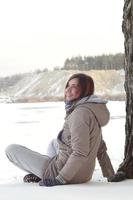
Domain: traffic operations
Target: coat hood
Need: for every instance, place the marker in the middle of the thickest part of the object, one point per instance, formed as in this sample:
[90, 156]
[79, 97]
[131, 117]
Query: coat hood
[97, 106]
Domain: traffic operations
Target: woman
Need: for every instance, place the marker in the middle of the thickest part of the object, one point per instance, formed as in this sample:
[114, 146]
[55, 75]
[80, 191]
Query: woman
[78, 141]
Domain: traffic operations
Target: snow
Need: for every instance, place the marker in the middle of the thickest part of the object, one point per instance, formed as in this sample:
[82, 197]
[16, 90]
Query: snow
[34, 125]
[31, 83]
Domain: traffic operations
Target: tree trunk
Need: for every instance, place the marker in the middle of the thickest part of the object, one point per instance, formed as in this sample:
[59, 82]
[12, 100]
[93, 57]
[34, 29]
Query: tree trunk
[127, 27]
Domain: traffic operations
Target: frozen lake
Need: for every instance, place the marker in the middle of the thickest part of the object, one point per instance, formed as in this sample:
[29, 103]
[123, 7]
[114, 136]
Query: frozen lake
[35, 124]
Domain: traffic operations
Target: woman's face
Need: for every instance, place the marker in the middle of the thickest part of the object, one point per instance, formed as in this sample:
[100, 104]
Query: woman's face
[73, 91]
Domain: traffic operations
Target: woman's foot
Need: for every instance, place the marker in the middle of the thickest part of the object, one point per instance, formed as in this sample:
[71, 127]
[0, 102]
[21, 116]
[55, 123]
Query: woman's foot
[31, 178]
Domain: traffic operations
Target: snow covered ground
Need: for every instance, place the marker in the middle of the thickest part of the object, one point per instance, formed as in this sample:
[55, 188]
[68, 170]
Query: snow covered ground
[34, 125]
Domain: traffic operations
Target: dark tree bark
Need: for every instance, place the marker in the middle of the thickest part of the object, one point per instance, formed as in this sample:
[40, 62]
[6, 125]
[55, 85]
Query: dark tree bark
[127, 27]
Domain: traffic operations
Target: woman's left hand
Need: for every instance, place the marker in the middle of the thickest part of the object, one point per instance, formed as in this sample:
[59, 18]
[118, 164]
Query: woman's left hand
[50, 182]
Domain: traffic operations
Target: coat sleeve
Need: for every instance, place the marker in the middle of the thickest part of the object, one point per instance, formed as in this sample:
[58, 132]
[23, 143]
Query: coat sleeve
[80, 125]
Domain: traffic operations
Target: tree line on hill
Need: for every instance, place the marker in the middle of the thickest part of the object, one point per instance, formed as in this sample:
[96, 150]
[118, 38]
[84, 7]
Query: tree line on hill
[103, 62]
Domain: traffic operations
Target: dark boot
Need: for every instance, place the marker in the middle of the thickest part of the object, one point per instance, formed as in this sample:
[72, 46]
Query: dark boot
[119, 176]
[31, 178]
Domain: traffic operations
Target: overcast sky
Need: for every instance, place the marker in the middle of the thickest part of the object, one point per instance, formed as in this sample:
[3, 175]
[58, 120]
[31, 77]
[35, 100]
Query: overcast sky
[43, 33]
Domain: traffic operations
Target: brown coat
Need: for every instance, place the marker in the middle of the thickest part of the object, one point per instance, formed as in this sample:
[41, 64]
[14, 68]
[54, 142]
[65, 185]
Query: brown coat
[79, 142]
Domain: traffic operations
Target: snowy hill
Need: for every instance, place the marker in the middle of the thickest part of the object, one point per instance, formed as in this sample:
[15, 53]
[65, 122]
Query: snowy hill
[49, 85]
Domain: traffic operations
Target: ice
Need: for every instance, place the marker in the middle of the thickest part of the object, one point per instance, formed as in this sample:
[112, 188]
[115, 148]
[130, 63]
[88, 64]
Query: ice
[34, 125]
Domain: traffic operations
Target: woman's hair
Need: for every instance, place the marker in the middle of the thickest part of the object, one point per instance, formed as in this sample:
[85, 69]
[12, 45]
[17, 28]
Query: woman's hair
[86, 84]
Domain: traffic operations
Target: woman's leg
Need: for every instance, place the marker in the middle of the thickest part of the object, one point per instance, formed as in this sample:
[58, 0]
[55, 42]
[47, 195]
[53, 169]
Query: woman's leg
[27, 160]
[53, 148]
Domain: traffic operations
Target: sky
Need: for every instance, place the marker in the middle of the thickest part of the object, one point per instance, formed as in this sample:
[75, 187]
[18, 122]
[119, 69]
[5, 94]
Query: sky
[39, 34]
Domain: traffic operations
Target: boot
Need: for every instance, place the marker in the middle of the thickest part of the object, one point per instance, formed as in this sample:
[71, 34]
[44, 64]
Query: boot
[119, 176]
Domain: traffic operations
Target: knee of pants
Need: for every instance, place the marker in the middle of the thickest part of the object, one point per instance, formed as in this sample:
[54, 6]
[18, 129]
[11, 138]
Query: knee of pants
[11, 149]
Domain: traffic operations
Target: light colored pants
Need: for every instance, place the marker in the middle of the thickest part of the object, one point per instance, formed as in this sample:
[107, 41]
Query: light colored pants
[36, 163]
[53, 148]
[27, 160]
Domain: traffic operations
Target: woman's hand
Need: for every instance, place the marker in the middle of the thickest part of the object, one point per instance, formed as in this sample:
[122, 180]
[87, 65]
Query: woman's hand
[52, 181]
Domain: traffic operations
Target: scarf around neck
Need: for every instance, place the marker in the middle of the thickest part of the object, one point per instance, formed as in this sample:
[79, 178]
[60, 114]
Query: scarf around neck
[70, 105]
